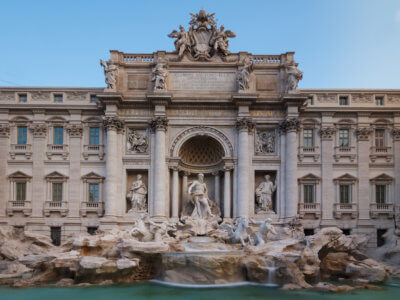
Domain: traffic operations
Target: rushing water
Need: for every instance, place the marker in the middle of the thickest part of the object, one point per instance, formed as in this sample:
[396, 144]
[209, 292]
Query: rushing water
[154, 290]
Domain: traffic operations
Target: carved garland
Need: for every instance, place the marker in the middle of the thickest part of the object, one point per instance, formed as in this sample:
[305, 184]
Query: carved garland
[201, 130]
[327, 133]
[4, 130]
[38, 130]
[363, 133]
[75, 130]
[113, 123]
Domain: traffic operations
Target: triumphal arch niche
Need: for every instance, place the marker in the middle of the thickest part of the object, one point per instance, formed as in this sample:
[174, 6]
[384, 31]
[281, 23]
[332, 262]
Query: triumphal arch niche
[201, 118]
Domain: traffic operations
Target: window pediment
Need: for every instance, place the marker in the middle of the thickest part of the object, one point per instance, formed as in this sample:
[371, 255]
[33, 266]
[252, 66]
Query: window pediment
[93, 176]
[346, 178]
[309, 178]
[383, 178]
[19, 175]
[56, 175]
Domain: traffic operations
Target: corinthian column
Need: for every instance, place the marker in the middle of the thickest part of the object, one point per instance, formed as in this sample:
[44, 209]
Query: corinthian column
[4, 140]
[112, 124]
[290, 126]
[159, 125]
[244, 125]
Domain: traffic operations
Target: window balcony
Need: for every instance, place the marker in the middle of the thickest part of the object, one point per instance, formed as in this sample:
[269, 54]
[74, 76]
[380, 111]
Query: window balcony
[93, 150]
[310, 209]
[92, 207]
[19, 206]
[55, 149]
[312, 151]
[345, 152]
[381, 209]
[381, 152]
[341, 209]
[55, 206]
[21, 149]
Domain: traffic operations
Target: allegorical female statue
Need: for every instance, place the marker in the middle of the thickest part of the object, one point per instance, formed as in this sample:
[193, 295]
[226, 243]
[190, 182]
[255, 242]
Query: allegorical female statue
[264, 194]
[137, 195]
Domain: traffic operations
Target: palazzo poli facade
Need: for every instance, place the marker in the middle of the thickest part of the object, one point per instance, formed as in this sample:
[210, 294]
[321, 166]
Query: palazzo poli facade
[70, 157]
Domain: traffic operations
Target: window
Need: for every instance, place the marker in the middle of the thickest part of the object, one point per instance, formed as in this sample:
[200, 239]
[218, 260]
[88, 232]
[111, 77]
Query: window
[345, 193]
[56, 235]
[22, 135]
[308, 138]
[343, 100]
[379, 101]
[344, 138]
[58, 135]
[94, 99]
[23, 98]
[308, 193]
[93, 192]
[58, 98]
[380, 193]
[380, 138]
[57, 193]
[94, 136]
[20, 194]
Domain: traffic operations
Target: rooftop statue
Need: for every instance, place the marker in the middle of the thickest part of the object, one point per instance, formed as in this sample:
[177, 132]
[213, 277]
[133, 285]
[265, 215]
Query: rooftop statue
[110, 73]
[203, 40]
[243, 74]
[294, 75]
[160, 74]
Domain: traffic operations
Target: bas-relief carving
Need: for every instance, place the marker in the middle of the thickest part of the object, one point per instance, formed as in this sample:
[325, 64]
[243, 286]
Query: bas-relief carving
[35, 96]
[204, 40]
[264, 195]
[361, 98]
[137, 195]
[137, 141]
[8, 96]
[328, 98]
[392, 99]
[76, 95]
[204, 81]
[110, 73]
[265, 142]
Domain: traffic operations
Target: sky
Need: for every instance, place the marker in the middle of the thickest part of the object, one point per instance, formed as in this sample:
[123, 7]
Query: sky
[338, 43]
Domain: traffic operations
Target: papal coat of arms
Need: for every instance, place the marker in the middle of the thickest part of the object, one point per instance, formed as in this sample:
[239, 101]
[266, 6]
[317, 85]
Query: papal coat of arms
[204, 40]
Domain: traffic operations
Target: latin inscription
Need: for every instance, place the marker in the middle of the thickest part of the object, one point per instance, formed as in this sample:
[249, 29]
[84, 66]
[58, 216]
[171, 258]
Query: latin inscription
[187, 81]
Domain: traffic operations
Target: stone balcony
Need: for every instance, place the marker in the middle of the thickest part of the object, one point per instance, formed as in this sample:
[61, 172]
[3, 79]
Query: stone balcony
[55, 149]
[92, 207]
[89, 150]
[381, 209]
[55, 206]
[19, 206]
[345, 152]
[310, 209]
[21, 149]
[312, 152]
[381, 152]
[341, 209]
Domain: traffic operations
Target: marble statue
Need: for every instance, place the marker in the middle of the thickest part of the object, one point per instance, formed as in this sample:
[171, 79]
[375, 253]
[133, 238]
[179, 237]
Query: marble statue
[264, 228]
[137, 195]
[182, 42]
[159, 76]
[220, 40]
[240, 234]
[294, 76]
[137, 142]
[264, 194]
[243, 74]
[199, 197]
[265, 142]
[145, 230]
[110, 73]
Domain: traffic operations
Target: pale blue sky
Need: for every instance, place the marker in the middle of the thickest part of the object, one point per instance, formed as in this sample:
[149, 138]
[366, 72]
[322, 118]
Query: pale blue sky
[338, 43]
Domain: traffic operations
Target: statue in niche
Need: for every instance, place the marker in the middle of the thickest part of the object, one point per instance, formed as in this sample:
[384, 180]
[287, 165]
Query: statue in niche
[182, 42]
[265, 142]
[110, 73]
[294, 76]
[137, 195]
[160, 74]
[137, 142]
[220, 40]
[264, 194]
[264, 228]
[199, 196]
[243, 74]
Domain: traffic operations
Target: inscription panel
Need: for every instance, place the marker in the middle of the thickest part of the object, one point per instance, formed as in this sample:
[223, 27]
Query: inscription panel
[138, 82]
[190, 81]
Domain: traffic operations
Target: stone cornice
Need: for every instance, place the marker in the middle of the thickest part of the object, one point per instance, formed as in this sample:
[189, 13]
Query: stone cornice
[159, 98]
[244, 99]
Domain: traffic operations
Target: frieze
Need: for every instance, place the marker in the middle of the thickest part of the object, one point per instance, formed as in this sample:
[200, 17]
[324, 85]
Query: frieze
[36, 96]
[267, 113]
[74, 130]
[392, 99]
[4, 130]
[362, 98]
[327, 98]
[8, 96]
[76, 95]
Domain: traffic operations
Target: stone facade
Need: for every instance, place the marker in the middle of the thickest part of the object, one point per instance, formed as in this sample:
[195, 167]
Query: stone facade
[69, 155]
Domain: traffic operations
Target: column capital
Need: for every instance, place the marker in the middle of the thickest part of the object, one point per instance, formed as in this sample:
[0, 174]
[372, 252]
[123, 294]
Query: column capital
[363, 133]
[4, 130]
[75, 130]
[38, 129]
[244, 123]
[327, 132]
[289, 125]
[159, 123]
[174, 168]
[113, 123]
[396, 134]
